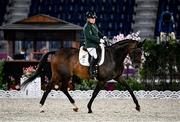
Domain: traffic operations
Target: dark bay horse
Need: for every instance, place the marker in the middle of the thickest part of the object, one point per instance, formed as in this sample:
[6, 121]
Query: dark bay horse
[65, 64]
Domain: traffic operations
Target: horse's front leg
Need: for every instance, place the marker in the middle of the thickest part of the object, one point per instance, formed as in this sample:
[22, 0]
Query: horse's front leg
[95, 93]
[123, 83]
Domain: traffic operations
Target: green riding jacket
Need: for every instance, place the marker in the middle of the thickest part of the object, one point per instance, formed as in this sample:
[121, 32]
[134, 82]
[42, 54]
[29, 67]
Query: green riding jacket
[92, 35]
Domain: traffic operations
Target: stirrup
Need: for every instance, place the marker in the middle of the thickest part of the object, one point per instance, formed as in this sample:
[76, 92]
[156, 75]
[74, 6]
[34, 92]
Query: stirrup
[93, 74]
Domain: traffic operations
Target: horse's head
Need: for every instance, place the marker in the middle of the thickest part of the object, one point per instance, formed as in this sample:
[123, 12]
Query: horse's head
[135, 53]
[133, 48]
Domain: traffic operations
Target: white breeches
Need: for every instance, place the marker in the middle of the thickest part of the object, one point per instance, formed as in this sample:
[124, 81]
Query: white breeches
[92, 52]
[168, 37]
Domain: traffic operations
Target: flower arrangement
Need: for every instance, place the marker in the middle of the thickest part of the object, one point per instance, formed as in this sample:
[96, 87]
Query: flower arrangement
[120, 37]
[28, 71]
[14, 85]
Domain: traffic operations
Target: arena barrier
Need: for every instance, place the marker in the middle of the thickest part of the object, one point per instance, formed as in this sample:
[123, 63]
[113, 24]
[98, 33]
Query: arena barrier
[33, 90]
[78, 94]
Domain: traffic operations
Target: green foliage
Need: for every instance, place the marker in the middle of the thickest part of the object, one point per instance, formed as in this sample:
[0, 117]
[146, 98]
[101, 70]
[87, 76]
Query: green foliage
[162, 60]
[86, 85]
[133, 83]
[1, 74]
[161, 86]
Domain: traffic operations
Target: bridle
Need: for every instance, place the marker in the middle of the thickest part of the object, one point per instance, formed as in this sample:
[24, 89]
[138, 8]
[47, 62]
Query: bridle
[134, 54]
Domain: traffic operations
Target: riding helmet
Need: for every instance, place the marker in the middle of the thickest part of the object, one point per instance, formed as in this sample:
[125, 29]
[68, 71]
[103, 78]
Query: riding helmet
[91, 14]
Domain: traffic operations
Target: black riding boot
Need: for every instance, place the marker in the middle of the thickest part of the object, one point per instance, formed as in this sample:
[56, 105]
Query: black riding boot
[93, 67]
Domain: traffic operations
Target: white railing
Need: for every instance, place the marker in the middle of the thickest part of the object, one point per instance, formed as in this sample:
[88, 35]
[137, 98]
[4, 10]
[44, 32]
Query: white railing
[34, 91]
[77, 94]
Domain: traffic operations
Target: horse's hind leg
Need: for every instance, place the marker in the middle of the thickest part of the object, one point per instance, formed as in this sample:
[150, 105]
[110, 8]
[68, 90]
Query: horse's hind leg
[48, 90]
[64, 89]
[123, 82]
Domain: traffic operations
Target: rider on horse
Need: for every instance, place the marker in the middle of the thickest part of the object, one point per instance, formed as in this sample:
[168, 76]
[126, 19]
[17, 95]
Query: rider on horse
[93, 37]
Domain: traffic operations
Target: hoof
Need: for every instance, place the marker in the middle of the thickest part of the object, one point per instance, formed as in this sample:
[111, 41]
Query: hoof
[75, 109]
[42, 111]
[138, 108]
[89, 111]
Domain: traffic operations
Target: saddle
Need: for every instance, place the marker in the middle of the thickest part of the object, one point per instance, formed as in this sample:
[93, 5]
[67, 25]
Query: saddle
[84, 55]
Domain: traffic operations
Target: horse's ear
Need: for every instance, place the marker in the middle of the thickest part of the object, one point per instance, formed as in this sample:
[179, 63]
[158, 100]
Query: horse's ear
[141, 43]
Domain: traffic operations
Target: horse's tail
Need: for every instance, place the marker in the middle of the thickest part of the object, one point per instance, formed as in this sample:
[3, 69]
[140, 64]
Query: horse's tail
[39, 69]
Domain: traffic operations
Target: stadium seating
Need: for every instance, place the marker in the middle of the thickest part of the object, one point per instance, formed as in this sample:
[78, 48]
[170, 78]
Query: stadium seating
[114, 16]
[3, 4]
[174, 7]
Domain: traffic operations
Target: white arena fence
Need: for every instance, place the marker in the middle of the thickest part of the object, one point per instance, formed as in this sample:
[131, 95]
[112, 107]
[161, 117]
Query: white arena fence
[33, 90]
[78, 94]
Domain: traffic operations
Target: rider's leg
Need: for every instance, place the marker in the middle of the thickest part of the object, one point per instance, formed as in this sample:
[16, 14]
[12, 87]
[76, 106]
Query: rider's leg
[162, 37]
[172, 34]
[93, 62]
[93, 67]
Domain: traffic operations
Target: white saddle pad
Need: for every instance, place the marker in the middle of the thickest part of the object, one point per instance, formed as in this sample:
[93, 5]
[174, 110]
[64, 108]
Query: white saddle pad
[84, 56]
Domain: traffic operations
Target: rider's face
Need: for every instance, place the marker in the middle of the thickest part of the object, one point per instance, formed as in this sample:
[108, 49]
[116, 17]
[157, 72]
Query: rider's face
[92, 20]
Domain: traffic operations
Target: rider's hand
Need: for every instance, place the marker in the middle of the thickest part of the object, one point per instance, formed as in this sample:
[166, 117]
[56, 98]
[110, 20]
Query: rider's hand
[104, 37]
[102, 41]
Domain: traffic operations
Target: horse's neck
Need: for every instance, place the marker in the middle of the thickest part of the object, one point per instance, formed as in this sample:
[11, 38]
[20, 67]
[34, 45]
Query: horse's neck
[121, 44]
[121, 53]
[118, 54]
[121, 48]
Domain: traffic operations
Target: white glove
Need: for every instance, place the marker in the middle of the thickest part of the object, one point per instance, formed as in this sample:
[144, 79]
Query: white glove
[102, 41]
[104, 37]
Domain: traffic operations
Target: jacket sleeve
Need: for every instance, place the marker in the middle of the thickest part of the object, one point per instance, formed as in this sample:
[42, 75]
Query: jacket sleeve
[89, 36]
[100, 34]
[160, 23]
[173, 22]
